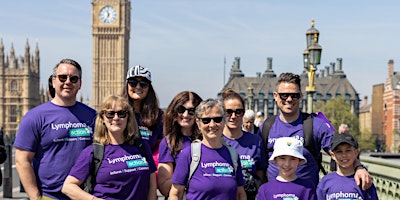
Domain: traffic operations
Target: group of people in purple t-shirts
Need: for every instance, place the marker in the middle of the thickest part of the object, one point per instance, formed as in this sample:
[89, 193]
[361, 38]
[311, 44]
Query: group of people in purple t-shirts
[195, 149]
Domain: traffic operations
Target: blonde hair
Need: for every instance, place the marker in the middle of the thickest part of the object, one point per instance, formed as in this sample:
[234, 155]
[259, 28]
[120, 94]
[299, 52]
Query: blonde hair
[101, 132]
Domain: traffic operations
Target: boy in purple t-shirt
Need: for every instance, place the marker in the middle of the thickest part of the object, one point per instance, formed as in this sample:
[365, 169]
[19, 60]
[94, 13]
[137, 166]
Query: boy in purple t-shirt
[287, 155]
[344, 152]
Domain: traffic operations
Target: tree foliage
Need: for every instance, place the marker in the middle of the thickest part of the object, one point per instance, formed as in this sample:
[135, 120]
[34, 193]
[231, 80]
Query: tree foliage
[338, 111]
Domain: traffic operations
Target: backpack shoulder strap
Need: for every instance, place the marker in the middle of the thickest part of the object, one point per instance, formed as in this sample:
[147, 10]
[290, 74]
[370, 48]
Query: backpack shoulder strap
[137, 142]
[309, 142]
[234, 157]
[98, 154]
[196, 155]
[265, 132]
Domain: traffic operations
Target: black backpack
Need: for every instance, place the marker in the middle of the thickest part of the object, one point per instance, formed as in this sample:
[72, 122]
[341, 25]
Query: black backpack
[309, 143]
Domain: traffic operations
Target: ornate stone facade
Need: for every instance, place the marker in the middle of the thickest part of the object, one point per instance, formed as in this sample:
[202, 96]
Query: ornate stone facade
[19, 82]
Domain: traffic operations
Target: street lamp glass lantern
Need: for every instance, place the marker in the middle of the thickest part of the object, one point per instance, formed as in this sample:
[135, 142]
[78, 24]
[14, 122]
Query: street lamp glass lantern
[315, 51]
[306, 60]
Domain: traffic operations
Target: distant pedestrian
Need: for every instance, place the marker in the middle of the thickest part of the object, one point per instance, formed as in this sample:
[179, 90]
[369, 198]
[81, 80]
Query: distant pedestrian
[259, 119]
[343, 128]
[248, 122]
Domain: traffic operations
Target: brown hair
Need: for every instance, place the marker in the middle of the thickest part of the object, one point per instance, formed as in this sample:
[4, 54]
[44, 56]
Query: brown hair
[289, 78]
[171, 128]
[149, 108]
[231, 94]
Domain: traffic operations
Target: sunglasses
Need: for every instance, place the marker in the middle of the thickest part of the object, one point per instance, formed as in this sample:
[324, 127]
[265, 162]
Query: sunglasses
[207, 120]
[111, 114]
[133, 83]
[237, 111]
[63, 78]
[182, 109]
[284, 96]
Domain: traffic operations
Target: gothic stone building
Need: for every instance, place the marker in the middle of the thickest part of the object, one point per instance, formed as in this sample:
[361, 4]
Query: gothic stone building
[19, 81]
[258, 91]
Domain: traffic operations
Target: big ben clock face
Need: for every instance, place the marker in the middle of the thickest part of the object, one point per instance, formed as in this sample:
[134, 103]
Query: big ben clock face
[108, 14]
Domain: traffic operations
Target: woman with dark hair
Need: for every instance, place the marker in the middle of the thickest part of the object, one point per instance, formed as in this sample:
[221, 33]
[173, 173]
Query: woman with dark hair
[249, 146]
[140, 93]
[180, 129]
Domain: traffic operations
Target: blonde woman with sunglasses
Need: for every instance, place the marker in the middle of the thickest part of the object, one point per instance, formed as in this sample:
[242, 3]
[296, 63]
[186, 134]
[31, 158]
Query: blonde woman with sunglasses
[127, 171]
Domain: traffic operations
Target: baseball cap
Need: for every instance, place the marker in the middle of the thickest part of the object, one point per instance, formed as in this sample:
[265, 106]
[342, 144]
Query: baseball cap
[138, 71]
[288, 146]
[259, 113]
[343, 138]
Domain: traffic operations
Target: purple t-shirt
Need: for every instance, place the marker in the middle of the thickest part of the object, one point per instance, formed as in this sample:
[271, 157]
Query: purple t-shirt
[322, 138]
[294, 190]
[250, 150]
[165, 150]
[56, 135]
[214, 177]
[150, 136]
[124, 172]
[334, 186]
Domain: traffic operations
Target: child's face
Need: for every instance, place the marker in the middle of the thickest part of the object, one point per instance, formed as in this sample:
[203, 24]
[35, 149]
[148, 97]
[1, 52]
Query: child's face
[344, 155]
[287, 165]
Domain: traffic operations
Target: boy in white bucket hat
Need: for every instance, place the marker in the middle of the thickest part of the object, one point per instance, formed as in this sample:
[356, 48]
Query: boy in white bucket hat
[287, 155]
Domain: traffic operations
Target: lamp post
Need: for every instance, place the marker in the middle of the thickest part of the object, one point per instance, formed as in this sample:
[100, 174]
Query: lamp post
[312, 58]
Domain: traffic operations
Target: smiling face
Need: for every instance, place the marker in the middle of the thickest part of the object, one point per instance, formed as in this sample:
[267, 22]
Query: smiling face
[234, 120]
[287, 166]
[138, 91]
[290, 105]
[66, 91]
[211, 130]
[115, 121]
[344, 155]
[187, 118]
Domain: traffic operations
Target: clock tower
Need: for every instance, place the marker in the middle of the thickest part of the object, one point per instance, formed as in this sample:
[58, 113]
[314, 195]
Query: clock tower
[111, 33]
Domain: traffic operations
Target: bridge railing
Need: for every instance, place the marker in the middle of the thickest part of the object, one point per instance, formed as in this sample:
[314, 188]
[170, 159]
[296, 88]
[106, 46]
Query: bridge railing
[385, 173]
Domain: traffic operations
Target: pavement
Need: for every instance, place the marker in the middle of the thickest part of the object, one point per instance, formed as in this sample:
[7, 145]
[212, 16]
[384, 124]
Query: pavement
[16, 194]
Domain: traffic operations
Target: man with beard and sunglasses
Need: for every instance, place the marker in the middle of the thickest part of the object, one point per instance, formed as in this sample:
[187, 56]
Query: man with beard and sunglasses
[289, 123]
[52, 135]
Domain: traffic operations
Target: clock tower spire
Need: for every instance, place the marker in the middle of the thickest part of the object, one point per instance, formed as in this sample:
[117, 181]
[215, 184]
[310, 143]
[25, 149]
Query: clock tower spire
[111, 34]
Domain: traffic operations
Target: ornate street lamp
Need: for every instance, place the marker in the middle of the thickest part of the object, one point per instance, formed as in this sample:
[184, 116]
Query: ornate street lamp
[311, 58]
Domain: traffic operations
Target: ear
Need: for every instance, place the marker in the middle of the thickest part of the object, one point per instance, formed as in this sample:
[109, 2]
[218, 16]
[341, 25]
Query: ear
[332, 155]
[276, 96]
[357, 152]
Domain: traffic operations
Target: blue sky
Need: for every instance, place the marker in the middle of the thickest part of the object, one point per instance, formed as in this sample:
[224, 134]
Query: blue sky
[184, 42]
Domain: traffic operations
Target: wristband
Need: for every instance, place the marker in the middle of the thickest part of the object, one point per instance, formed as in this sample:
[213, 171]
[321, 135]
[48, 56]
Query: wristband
[360, 165]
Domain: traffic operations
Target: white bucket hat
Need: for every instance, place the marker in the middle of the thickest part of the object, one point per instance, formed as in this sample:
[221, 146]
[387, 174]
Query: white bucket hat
[288, 146]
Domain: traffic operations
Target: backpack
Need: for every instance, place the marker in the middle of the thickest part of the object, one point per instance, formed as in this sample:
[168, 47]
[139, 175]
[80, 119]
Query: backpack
[309, 143]
[98, 155]
[196, 155]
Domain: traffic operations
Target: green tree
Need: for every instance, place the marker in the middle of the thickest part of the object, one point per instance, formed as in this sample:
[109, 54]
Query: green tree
[338, 111]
